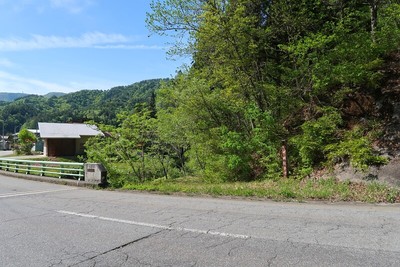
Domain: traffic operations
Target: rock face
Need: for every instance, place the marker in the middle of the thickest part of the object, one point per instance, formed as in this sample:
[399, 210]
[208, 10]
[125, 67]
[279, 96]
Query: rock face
[387, 109]
[389, 173]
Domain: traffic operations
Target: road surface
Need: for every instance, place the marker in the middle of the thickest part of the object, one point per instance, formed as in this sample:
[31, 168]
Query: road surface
[53, 225]
[6, 153]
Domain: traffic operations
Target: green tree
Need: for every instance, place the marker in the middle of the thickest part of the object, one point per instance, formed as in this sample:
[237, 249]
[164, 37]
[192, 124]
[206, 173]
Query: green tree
[26, 140]
[133, 152]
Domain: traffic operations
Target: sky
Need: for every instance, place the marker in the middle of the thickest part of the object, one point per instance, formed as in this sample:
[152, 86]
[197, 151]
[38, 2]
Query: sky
[70, 45]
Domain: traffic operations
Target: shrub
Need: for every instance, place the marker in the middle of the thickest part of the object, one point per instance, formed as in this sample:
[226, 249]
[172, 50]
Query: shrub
[356, 149]
[316, 134]
[26, 140]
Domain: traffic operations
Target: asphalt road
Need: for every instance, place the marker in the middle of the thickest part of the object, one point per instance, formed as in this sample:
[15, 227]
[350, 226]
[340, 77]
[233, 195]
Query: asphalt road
[53, 225]
[5, 153]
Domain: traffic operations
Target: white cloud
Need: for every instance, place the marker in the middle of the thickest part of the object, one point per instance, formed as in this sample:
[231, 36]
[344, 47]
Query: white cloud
[133, 47]
[96, 40]
[87, 40]
[72, 6]
[6, 63]
[17, 84]
[18, 6]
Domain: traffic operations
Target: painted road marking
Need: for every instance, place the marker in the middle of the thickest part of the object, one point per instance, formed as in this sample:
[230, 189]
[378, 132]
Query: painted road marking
[158, 226]
[33, 193]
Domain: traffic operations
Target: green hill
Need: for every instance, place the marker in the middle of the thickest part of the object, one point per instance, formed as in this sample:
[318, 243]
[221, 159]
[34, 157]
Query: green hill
[9, 97]
[56, 94]
[101, 106]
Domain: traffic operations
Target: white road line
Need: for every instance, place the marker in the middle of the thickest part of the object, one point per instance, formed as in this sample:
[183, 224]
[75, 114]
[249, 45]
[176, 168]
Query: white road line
[33, 193]
[158, 226]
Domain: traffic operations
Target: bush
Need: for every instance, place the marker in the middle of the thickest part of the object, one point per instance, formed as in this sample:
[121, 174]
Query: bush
[316, 134]
[354, 148]
[26, 140]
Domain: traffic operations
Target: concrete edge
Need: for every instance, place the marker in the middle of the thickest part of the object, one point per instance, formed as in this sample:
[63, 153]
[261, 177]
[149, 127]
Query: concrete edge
[45, 179]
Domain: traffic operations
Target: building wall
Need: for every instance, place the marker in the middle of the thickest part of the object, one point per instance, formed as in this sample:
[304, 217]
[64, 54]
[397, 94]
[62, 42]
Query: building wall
[45, 151]
[60, 147]
[54, 147]
[80, 145]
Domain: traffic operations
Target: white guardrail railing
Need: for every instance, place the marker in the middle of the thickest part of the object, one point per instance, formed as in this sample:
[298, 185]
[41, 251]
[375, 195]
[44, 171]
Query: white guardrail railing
[44, 168]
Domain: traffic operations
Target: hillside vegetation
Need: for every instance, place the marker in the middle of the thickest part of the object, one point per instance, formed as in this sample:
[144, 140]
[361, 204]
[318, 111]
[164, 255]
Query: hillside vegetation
[276, 89]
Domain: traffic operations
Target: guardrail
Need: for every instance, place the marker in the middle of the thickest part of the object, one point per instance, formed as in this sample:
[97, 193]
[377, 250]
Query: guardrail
[44, 168]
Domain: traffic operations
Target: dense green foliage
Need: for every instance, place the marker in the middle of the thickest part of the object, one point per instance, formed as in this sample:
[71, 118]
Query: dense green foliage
[95, 105]
[272, 73]
[135, 151]
[26, 140]
[266, 75]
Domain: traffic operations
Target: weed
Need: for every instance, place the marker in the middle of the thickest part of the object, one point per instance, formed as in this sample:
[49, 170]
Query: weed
[324, 189]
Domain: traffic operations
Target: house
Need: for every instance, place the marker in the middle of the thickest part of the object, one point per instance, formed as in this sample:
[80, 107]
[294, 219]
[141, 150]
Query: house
[66, 139]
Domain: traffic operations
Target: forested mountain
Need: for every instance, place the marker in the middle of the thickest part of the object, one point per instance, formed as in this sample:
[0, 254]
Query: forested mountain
[8, 97]
[54, 94]
[96, 105]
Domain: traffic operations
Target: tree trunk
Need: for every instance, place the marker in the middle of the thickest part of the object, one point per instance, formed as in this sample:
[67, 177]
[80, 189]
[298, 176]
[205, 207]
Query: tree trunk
[373, 5]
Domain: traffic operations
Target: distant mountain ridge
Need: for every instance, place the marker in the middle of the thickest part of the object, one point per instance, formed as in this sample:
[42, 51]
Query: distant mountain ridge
[56, 94]
[9, 97]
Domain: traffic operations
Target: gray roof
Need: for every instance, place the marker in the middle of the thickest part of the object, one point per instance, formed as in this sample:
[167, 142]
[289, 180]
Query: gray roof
[67, 130]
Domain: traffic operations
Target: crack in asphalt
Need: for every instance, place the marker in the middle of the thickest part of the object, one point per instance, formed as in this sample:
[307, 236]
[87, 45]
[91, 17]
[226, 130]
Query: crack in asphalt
[224, 242]
[239, 246]
[271, 260]
[119, 247]
[68, 256]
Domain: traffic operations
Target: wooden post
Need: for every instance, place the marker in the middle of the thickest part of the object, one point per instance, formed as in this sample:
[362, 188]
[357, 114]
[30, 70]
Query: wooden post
[284, 160]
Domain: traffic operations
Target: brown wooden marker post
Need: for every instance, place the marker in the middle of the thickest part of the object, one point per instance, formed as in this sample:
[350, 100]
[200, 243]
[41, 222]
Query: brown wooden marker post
[284, 160]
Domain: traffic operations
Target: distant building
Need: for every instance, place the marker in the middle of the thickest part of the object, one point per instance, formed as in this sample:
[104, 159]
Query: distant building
[34, 131]
[66, 139]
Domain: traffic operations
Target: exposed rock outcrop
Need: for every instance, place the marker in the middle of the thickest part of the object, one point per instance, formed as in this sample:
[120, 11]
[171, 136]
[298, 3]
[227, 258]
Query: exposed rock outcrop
[387, 108]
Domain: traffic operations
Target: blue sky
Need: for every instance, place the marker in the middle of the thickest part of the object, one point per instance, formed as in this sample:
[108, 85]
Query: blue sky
[70, 45]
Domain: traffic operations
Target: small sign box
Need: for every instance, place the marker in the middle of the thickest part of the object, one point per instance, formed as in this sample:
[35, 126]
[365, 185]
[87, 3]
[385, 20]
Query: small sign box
[95, 173]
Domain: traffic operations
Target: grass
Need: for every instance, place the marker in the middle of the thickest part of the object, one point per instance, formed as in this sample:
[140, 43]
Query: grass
[284, 189]
[56, 159]
[281, 189]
